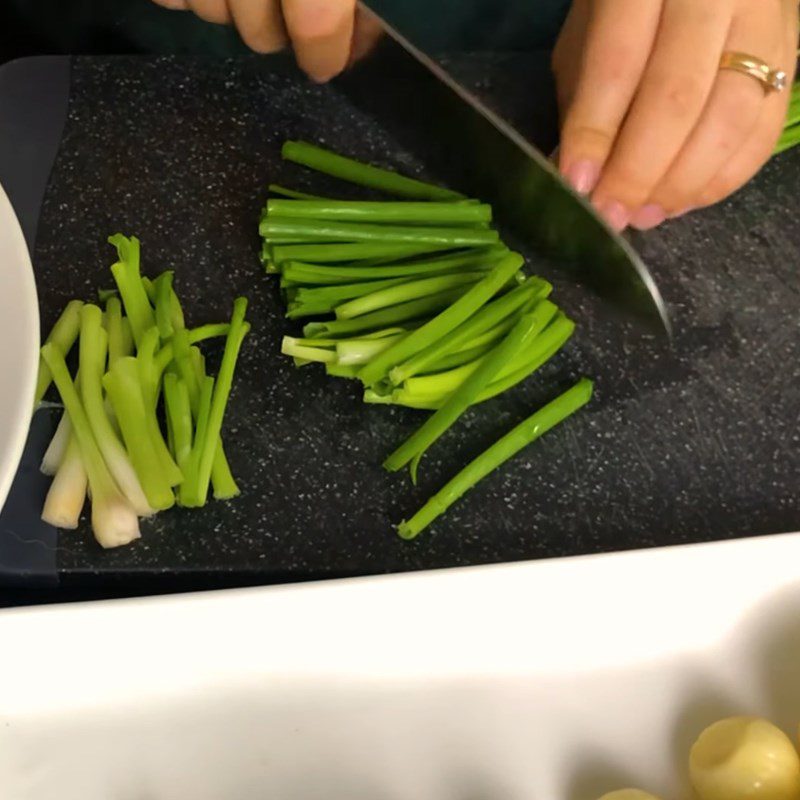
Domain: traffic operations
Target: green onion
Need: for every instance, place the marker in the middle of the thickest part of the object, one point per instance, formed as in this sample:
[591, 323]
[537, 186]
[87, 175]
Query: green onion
[443, 214]
[114, 521]
[501, 451]
[132, 290]
[179, 414]
[67, 493]
[222, 389]
[516, 341]
[443, 323]
[116, 336]
[412, 310]
[349, 252]
[164, 306]
[404, 292]
[308, 155]
[93, 343]
[481, 258]
[293, 194]
[385, 234]
[122, 383]
[62, 337]
[480, 322]
[359, 351]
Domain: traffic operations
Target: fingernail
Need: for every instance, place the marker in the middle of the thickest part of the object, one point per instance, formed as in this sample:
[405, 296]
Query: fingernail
[582, 175]
[615, 214]
[647, 217]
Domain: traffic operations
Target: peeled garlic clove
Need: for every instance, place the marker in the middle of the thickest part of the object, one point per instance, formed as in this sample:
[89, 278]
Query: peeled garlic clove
[744, 758]
[629, 794]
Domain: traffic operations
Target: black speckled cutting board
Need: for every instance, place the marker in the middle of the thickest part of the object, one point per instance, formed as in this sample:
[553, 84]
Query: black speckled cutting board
[683, 445]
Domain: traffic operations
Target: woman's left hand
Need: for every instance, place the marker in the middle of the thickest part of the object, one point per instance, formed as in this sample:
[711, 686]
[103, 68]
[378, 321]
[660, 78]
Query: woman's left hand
[651, 126]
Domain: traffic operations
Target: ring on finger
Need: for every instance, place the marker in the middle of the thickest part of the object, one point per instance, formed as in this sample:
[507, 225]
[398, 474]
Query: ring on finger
[771, 80]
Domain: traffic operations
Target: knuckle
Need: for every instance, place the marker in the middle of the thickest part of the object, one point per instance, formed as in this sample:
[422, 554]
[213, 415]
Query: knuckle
[586, 138]
[683, 96]
[614, 65]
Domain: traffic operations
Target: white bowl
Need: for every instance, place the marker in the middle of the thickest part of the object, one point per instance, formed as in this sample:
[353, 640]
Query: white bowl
[19, 343]
[559, 679]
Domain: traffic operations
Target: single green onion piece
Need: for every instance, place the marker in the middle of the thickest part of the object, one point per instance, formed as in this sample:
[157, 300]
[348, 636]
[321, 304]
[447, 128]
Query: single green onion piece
[114, 521]
[116, 336]
[348, 169]
[342, 371]
[188, 495]
[291, 347]
[62, 337]
[425, 287]
[93, 349]
[520, 336]
[350, 352]
[128, 278]
[293, 194]
[164, 306]
[366, 232]
[347, 252]
[501, 451]
[222, 389]
[67, 493]
[401, 213]
[477, 296]
[405, 312]
[179, 414]
[127, 337]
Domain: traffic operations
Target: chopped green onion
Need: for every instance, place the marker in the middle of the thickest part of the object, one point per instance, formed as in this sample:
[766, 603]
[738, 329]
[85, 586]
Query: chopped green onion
[501, 451]
[62, 336]
[516, 341]
[93, 342]
[122, 383]
[477, 296]
[385, 234]
[403, 293]
[114, 521]
[128, 278]
[395, 213]
[321, 160]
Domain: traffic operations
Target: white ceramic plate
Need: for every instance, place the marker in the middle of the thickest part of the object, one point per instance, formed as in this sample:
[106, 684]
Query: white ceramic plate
[19, 343]
[556, 680]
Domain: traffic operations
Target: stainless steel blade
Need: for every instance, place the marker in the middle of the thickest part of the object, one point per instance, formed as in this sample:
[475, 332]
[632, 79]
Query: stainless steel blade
[478, 152]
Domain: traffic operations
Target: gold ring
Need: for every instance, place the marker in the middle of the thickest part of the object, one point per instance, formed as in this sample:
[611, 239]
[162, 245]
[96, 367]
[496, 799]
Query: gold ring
[771, 80]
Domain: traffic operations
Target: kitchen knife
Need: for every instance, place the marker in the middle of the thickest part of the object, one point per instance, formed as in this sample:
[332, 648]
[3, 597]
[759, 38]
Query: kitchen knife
[470, 146]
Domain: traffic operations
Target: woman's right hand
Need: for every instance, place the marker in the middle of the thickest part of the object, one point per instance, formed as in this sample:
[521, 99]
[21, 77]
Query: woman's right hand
[326, 35]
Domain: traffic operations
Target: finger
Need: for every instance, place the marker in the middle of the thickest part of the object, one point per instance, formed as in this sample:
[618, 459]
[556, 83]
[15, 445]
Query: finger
[321, 32]
[173, 5]
[215, 11]
[566, 59]
[760, 145]
[619, 37]
[367, 31]
[260, 24]
[731, 114]
[670, 99]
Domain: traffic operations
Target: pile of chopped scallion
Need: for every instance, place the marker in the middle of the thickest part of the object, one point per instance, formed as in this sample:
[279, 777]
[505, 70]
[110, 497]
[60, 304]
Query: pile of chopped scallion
[113, 442]
[420, 301]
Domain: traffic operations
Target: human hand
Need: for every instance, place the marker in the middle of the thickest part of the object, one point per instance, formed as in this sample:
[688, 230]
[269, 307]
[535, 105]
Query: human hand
[326, 34]
[650, 126]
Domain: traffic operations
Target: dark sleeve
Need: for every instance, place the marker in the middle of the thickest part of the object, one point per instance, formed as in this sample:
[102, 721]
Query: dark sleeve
[81, 26]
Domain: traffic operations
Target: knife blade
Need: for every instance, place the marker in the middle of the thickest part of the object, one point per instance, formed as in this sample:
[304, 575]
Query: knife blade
[473, 148]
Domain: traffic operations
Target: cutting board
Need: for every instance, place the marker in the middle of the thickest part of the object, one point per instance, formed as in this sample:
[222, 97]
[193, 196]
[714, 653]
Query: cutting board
[682, 444]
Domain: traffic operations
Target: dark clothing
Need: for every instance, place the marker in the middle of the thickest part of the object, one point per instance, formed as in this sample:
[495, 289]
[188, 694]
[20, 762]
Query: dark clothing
[140, 25]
